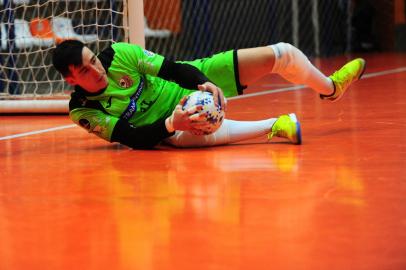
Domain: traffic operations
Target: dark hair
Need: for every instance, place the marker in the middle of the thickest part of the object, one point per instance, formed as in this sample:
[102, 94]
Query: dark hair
[68, 52]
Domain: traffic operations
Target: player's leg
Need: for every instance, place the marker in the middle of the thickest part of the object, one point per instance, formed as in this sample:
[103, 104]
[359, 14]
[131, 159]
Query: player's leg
[285, 126]
[289, 62]
[285, 60]
[221, 69]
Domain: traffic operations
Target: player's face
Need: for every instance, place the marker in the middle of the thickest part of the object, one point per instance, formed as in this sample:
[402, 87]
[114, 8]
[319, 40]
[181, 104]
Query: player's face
[91, 75]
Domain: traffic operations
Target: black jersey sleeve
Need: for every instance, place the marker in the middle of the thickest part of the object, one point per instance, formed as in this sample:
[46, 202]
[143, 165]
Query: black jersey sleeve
[90, 115]
[144, 137]
[187, 76]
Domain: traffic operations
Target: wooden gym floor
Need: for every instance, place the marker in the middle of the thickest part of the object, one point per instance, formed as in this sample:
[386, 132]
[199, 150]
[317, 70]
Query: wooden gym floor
[69, 200]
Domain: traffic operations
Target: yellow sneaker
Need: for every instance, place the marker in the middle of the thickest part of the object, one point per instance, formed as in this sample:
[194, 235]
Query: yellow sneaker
[287, 126]
[344, 77]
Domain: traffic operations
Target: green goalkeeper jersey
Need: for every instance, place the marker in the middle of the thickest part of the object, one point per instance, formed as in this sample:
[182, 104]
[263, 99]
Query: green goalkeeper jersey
[133, 89]
[135, 94]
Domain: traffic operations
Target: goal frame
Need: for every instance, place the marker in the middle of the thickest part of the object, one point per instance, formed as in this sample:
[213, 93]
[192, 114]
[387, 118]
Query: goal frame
[133, 20]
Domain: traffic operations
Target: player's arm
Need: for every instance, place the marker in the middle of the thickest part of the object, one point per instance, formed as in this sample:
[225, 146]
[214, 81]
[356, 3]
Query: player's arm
[144, 137]
[113, 129]
[150, 135]
[146, 62]
[188, 76]
[150, 63]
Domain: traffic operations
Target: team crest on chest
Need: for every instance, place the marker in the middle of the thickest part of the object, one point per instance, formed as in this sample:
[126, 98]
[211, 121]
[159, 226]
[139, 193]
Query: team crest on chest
[125, 82]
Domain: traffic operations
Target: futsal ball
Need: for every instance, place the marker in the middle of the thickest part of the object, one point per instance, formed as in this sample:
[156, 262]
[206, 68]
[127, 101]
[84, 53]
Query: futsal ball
[215, 114]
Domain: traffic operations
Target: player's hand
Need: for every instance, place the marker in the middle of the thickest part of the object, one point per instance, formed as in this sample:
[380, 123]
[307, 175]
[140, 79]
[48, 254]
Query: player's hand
[218, 95]
[190, 119]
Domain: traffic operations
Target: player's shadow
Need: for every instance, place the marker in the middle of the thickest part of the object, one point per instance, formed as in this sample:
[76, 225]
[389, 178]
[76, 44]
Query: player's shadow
[166, 147]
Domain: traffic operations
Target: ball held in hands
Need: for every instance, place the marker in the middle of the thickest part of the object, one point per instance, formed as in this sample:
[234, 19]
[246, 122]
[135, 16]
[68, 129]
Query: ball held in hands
[214, 114]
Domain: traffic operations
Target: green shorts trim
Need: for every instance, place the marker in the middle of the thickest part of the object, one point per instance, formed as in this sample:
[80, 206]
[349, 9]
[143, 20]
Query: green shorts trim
[222, 70]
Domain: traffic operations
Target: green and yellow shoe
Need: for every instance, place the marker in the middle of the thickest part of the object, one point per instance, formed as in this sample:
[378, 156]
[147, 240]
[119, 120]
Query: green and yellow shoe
[344, 77]
[287, 126]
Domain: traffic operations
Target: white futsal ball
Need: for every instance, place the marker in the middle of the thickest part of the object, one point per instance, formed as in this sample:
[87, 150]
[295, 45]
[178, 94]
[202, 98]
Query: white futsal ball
[215, 114]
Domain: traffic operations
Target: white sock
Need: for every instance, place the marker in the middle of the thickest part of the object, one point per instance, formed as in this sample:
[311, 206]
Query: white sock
[295, 67]
[230, 131]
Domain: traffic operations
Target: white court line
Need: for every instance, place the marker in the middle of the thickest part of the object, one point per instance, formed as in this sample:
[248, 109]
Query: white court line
[35, 132]
[284, 89]
[385, 72]
[279, 90]
[297, 87]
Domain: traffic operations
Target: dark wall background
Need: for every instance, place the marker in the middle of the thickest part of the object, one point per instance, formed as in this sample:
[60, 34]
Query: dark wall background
[253, 23]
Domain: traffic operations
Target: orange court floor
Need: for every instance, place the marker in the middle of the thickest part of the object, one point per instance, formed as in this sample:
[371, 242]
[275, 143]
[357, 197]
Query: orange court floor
[69, 200]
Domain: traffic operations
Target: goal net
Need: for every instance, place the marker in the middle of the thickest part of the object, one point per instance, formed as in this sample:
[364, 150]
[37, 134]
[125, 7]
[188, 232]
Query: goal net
[30, 29]
[178, 29]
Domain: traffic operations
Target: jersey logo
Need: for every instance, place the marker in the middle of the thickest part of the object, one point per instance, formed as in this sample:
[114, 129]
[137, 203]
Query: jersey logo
[145, 105]
[125, 82]
[132, 106]
[84, 123]
[149, 53]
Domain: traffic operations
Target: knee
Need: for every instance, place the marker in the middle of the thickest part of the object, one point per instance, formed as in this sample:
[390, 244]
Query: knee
[283, 49]
[283, 55]
[287, 53]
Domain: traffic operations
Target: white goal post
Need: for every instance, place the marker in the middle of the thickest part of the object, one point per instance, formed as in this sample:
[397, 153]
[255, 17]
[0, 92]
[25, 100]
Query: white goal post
[30, 29]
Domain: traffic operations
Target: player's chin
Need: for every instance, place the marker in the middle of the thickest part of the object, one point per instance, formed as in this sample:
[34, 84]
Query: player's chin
[96, 87]
[102, 83]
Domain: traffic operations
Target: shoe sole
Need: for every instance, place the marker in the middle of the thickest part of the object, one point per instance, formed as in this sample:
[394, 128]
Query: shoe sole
[364, 65]
[298, 138]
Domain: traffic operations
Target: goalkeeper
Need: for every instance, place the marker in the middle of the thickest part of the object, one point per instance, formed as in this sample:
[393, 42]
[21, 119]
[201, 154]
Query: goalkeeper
[133, 96]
